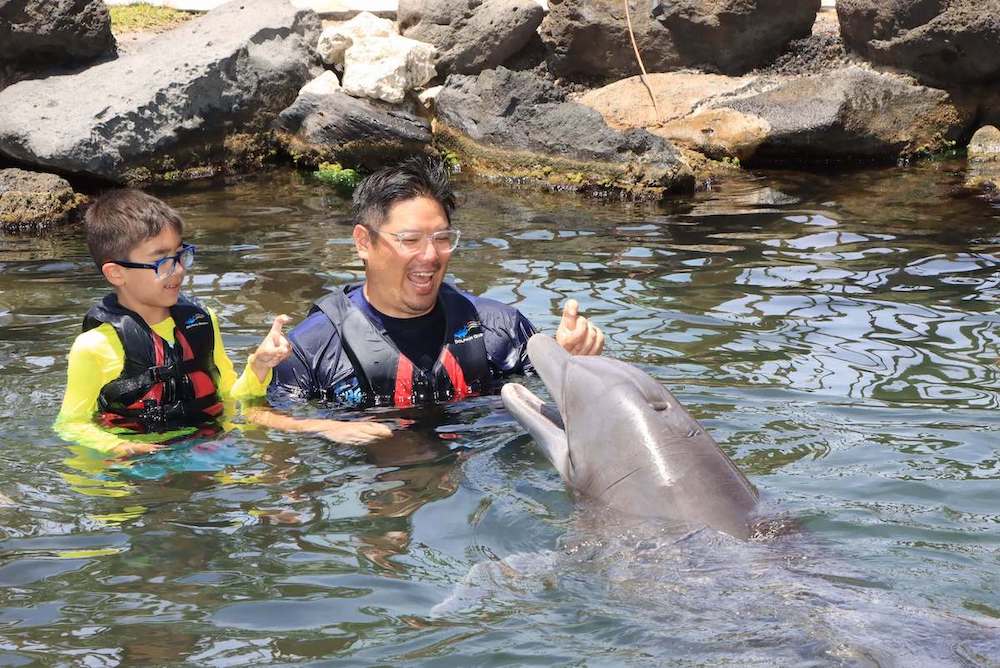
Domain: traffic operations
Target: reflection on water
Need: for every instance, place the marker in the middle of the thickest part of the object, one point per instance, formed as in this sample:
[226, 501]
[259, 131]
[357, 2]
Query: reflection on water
[836, 334]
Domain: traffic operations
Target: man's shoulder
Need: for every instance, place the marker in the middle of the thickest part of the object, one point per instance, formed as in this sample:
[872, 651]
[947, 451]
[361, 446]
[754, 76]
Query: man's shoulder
[315, 327]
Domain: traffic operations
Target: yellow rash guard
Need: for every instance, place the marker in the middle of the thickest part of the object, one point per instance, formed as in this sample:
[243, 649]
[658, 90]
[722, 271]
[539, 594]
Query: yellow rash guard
[97, 357]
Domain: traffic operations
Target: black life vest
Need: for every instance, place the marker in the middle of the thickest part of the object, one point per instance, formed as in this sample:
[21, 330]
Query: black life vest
[161, 386]
[388, 378]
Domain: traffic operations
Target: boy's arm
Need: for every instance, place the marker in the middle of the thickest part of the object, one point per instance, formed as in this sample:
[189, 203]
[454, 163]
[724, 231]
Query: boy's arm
[94, 360]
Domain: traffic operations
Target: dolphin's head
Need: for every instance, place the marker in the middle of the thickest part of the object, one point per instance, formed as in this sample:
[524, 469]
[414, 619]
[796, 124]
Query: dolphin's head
[618, 435]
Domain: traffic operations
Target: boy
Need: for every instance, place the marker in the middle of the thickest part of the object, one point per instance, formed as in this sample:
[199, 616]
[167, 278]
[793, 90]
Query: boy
[150, 361]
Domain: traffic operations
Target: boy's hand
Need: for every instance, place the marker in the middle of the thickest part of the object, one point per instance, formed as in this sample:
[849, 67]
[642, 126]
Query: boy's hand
[350, 433]
[273, 350]
[576, 334]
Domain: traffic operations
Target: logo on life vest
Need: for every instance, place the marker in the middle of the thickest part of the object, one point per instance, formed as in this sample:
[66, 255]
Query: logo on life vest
[468, 332]
[196, 320]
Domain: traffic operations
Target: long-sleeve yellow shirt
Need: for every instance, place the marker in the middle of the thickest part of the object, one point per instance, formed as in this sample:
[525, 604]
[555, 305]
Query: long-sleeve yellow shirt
[97, 357]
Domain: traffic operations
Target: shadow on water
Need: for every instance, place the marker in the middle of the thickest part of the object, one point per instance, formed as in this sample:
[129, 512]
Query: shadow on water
[836, 333]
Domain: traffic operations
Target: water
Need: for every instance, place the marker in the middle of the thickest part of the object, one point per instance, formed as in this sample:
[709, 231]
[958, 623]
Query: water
[836, 334]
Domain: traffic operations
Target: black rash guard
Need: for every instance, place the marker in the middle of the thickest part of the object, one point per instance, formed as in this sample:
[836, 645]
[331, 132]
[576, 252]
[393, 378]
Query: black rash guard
[319, 368]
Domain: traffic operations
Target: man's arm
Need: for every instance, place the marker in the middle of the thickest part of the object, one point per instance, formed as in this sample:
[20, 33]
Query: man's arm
[350, 433]
[306, 374]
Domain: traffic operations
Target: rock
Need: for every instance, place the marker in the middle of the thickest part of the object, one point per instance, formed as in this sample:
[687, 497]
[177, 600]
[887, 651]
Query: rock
[847, 114]
[518, 125]
[471, 35]
[850, 114]
[626, 103]
[984, 162]
[385, 68]
[39, 35]
[336, 39]
[340, 128]
[196, 96]
[589, 39]
[428, 97]
[942, 42]
[680, 97]
[821, 51]
[324, 84]
[32, 200]
[985, 144]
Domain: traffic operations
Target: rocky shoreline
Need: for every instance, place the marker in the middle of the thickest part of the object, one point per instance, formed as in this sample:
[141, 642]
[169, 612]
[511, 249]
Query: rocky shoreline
[546, 94]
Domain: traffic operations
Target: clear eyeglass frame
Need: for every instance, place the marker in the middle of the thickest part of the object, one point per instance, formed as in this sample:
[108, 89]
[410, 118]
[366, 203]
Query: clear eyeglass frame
[413, 241]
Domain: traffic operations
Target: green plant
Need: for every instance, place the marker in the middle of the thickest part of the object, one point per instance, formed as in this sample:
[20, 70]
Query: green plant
[451, 159]
[138, 18]
[344, 180]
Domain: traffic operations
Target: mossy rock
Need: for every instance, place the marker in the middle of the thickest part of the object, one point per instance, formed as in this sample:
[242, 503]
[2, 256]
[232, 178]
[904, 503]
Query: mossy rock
[32, 201]
[625, 180]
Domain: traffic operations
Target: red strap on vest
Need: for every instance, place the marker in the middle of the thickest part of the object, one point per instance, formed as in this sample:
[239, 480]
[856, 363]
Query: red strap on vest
[403, 396]
[455, 375]
[201, 381]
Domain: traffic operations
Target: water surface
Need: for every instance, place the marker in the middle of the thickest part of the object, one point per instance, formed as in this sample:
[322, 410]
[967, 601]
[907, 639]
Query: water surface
[836, 334]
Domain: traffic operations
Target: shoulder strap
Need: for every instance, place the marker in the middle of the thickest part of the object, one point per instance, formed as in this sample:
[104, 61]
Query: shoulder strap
[464, 359]
[372, 354]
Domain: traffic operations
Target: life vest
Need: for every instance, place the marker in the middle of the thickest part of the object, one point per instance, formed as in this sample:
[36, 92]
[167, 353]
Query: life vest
[388, 378]
[161, 387]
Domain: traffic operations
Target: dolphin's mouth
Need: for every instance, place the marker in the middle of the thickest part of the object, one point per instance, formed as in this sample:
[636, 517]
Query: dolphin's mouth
[526, 405]
[542, 421]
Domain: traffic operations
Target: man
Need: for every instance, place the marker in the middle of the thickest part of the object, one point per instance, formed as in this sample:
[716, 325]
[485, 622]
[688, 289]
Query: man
[404, 337]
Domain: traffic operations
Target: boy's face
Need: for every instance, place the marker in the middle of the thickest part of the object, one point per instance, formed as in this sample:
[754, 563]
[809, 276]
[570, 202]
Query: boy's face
[141, 290]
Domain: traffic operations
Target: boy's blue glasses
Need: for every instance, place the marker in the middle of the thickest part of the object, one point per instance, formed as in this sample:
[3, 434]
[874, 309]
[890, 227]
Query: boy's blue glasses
[165, 266]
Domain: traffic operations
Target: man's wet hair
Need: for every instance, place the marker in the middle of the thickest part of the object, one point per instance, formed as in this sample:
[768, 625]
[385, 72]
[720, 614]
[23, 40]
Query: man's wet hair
[120, 220]
[416, 177]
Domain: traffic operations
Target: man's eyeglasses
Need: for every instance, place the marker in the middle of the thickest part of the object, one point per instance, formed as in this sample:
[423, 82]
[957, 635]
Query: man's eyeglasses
[412, 241]
[165, 266]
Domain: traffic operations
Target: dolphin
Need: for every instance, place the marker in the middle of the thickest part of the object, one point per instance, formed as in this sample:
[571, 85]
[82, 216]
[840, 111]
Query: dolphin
[618, 436]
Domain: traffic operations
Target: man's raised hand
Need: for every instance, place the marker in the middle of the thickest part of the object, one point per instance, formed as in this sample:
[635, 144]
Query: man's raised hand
[577, 334]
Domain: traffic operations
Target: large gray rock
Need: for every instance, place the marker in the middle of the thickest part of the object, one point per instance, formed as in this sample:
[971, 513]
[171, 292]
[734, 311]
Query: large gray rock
[517, 124]
[589, 38]
[39, 35]
[30, 201]
[850, 114]
[471, 35]
[943, 41]
[187, 98]
[340, 128]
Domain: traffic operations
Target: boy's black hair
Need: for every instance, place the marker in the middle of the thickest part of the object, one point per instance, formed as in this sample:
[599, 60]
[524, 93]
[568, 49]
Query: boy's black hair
[120, 220]
[415, 177]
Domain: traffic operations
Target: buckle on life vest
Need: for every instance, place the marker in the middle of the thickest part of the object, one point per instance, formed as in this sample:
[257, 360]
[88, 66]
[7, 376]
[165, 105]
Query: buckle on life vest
[164, 373]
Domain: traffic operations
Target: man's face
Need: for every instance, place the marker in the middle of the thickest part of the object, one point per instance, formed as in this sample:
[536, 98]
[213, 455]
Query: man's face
[402, 283]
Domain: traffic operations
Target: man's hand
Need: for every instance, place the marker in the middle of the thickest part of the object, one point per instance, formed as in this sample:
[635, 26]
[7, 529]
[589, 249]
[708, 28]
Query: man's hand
[350, 433]
[126, 450]
[578, 335]
[273, 350]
